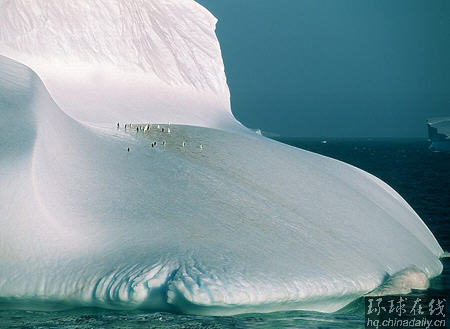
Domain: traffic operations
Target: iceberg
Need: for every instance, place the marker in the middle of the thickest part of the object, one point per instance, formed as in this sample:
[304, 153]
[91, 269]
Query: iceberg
[210, 218]
[439, 133]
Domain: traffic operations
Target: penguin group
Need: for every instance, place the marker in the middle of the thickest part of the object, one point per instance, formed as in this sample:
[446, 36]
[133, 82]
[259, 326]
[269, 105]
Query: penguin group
[147, 127]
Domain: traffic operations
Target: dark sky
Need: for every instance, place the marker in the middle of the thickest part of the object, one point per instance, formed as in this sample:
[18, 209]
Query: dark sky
[336, 68]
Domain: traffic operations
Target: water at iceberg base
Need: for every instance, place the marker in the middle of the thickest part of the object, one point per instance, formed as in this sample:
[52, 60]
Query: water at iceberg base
[229, 223]
[244, 224]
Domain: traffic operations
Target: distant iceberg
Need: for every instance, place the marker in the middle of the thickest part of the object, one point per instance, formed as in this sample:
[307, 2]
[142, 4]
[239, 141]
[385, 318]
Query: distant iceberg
[213, 219]
[439, 133]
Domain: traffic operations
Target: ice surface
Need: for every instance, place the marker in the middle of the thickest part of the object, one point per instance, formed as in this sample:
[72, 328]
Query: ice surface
[243, 224]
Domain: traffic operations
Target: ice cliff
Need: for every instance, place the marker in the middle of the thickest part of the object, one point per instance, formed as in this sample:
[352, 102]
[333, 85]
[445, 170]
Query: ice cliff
[107, 61]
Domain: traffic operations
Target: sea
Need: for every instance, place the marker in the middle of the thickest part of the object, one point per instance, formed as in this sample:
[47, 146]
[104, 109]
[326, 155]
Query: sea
[422, 177]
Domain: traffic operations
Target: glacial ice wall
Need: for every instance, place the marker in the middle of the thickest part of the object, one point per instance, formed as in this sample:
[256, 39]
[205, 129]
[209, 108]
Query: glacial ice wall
[243, 224]
[164, 53]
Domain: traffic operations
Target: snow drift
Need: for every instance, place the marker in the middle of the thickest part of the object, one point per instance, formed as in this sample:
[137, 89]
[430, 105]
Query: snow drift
[243, 224]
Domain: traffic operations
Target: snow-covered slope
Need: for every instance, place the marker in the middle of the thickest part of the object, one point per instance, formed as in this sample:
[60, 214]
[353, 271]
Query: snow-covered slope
[105, 61]
[242, 224]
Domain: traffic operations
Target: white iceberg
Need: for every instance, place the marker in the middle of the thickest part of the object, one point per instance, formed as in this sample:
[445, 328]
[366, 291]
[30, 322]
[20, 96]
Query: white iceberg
[241, 224]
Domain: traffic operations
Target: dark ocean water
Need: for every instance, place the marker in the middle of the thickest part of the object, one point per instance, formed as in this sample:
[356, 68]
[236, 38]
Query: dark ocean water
[419, 175]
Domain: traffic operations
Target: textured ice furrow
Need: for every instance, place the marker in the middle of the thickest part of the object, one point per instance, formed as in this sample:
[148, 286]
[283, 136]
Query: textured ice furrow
[166, 53]
[119, 33]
